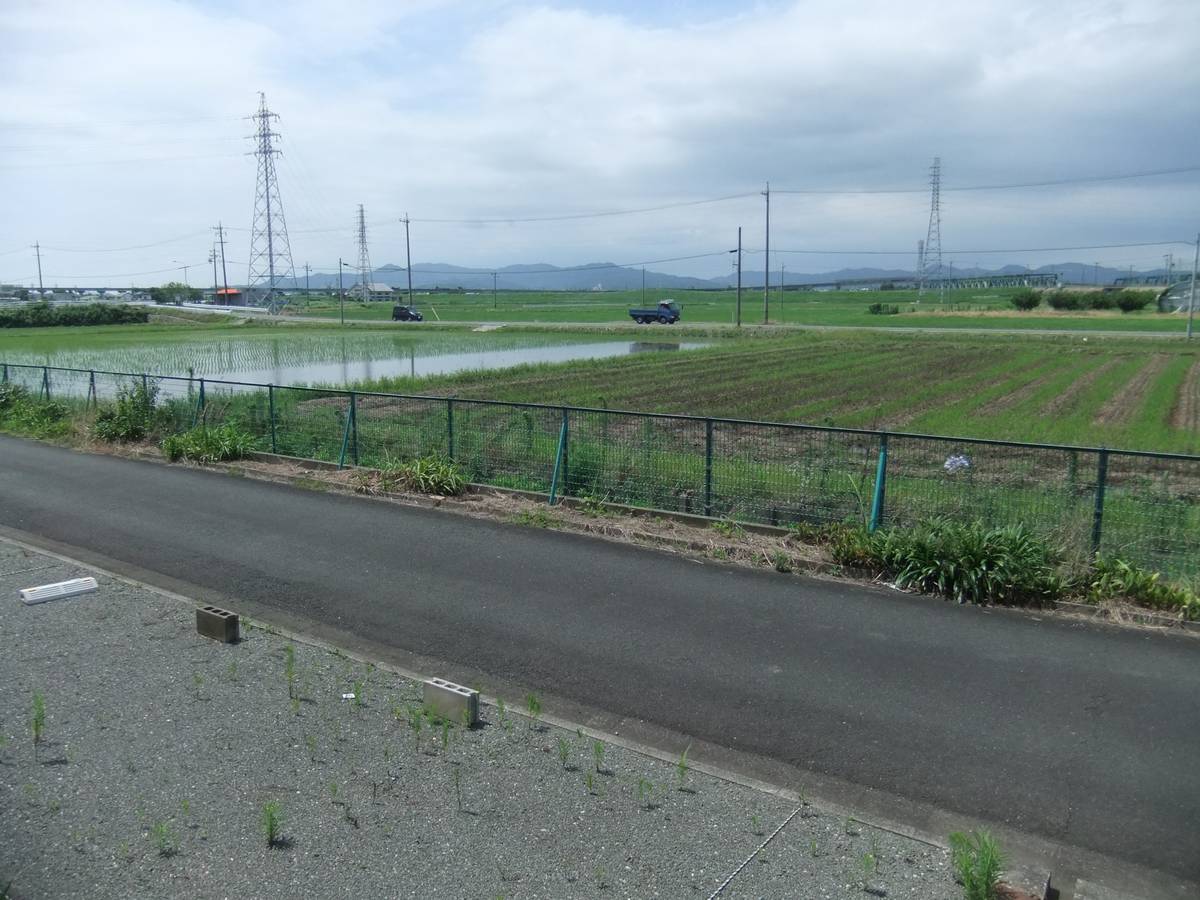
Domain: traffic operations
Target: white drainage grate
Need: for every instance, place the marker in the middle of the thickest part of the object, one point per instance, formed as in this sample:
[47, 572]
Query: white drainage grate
[58, 590]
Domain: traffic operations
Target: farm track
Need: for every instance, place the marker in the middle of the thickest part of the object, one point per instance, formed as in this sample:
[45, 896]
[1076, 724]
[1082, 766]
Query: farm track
[1185, 414]
[1124, 405]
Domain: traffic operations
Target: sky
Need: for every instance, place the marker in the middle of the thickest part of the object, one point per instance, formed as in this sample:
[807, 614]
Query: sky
[124, 137]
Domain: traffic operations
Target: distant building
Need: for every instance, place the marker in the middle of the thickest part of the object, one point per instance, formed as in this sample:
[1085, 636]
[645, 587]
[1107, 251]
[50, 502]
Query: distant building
[375, 291]
[230, 297]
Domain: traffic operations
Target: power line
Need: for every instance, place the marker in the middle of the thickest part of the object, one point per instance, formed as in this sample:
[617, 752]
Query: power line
[589, 215]
[987, 250]
[173, 240]
[1055, 182]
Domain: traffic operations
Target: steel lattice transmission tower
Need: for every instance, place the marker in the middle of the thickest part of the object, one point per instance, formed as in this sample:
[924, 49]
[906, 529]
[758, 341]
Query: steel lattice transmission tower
[270, 252]
[364, 259]
[931, 259]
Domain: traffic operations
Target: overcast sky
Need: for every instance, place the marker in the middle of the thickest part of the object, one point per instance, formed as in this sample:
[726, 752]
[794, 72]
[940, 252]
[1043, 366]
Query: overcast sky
[123, 127]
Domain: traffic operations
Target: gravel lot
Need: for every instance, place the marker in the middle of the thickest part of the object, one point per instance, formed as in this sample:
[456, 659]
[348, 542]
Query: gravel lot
[161, 749]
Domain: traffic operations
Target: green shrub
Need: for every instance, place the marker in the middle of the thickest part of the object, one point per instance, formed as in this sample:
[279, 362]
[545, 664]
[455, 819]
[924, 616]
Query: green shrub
[977, 863]
[427, 475]
[972, 563]
[208, 444]
[1025, 299]
[1101, 300]
[40, 315]
[131, 417]
[1132, 301]
[1065, 300]
[883, 309]
[23, 413]
[1115, 579]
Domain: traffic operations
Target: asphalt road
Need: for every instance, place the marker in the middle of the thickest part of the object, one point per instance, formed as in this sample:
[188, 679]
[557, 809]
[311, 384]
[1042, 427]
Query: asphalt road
[1082, 734]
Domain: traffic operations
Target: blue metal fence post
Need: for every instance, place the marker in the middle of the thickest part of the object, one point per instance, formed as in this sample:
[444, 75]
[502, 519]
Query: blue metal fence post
[91, 397]
[6, 373]
[354, 427]
[145, 385]
[558, 460]
[345, 442]
[708, 465]
[1098, 510]
[450, 428]
[566, 452]
[46, 381]
[271, 413]
[880, 484]
[199, 405]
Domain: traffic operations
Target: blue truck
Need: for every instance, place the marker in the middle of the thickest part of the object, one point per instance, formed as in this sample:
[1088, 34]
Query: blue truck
[667, 313]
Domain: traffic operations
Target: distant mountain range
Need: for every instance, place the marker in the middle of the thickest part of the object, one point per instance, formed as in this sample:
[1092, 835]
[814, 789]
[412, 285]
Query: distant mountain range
[609, 277]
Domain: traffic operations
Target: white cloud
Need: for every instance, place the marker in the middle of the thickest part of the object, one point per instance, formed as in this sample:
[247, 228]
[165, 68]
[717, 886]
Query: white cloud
[504, 110]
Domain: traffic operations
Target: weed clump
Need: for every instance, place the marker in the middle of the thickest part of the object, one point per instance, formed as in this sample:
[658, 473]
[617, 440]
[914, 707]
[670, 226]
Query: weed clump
[131, 417]
[208, 444]
[977, 863]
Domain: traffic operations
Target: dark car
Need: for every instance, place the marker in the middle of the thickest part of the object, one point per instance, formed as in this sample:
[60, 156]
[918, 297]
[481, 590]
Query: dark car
[406, 314]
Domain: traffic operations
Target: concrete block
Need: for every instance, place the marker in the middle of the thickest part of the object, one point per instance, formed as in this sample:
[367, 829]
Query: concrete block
[218, 624]
[452, 701]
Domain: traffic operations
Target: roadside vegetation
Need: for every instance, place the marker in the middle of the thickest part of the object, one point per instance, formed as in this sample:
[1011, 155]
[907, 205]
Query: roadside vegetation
[43, 315]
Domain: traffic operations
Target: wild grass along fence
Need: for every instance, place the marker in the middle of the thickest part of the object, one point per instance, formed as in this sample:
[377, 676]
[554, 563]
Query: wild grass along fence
[1142, 506]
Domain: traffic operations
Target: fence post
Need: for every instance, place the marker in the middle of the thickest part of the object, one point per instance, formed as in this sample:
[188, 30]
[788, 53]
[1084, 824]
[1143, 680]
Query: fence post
[450, 429]
[880, 484]
[708, 453]
[558, 460]
[1098, 511]
[199, 405]
[91, 397]
[345, 441]
[566, 452]
[6, 373]
[145, 385]
[271, 413]
[46, 381]
[354, 427]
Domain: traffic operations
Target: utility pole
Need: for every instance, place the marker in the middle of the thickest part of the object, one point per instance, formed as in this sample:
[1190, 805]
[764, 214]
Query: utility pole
[212, 258]
[643, 287]
[341, 293]
[1192, 300]
[767, 258]
[1096, 273]
[1167, 260]
[739, 277]
[493, 290]
[307, 271]
[408, 264]
[37, 248]
[224, 273]
[781, 273]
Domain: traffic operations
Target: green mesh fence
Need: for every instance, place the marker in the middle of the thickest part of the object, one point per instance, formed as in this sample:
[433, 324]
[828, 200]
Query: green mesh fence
[1144, 507]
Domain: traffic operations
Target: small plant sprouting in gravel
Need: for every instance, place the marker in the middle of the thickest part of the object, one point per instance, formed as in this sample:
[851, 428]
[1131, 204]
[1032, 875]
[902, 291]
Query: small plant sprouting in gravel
[645, 793]
[197, 683]
[977, 862]
[812, 848]
[728, 528]
[598, 756]
[415, 719]
[681, 767]
[601, 878]
[289, 670]
[756, 826]
[591, 785]
[333, 789]
[466, 720]
[360, 688]
[502, 711]
[534, 705]
[310, 741]
[272, 823]
[564, 751]
[231, 672]
[37, 721]
[781, 561]
[445, 733]
[850, 827]
[869, 863]
[163, 839]
[458, 787]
